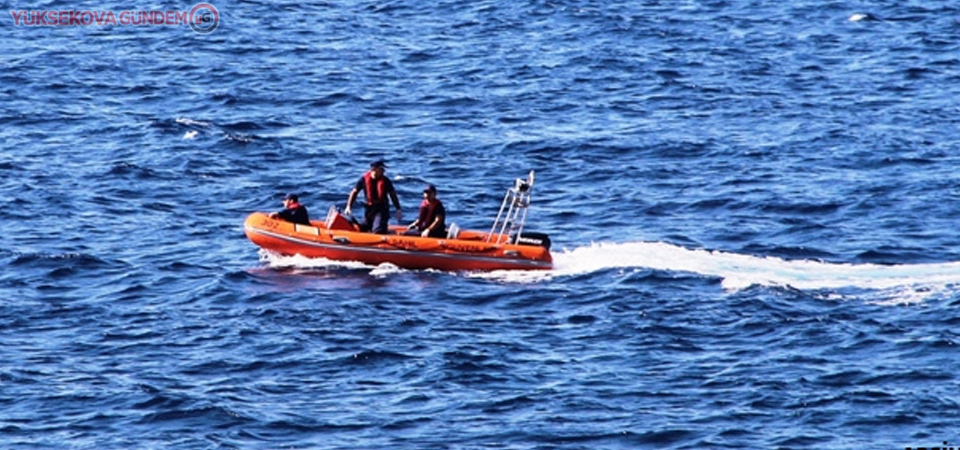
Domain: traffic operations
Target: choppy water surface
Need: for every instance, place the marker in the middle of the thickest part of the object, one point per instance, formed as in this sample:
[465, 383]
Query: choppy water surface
[753, 209]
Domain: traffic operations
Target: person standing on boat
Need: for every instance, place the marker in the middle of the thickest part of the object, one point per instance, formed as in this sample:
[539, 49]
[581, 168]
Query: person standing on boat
[293, 211]
[432, 215]
[377, 188]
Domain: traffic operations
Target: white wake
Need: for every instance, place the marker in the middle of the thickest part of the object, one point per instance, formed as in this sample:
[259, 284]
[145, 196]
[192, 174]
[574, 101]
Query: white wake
[736, 271]
[739, 271]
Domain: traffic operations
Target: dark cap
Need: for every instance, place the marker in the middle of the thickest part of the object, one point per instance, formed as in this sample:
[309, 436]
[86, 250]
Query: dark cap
[291, 196]
[430, 188]
[378, 164]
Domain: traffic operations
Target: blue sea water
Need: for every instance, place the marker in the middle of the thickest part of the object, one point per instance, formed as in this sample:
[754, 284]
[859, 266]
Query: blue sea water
[753, 207]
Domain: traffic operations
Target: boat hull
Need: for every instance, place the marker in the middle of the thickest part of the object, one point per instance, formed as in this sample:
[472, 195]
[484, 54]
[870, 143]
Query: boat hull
[469, 252]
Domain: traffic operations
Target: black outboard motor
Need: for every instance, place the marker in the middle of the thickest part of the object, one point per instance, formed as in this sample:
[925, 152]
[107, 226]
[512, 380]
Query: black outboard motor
[534, 239]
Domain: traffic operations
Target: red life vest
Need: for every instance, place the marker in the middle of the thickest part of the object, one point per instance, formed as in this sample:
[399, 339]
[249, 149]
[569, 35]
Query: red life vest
[426, 213]
[378, 195]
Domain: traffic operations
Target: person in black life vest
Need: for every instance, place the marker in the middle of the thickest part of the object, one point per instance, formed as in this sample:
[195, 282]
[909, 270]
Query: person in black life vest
[377, 188]
[432, 215]
[292, 211]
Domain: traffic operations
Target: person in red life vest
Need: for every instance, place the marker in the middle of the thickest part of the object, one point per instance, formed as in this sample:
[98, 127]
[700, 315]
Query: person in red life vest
[432, 215]
[377, 188]
[292, 211]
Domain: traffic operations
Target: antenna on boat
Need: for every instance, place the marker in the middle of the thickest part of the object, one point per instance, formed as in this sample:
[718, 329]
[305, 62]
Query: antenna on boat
[513, 212]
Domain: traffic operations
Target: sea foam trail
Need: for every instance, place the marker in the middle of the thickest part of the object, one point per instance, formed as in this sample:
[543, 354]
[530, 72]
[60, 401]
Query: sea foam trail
[737, 271]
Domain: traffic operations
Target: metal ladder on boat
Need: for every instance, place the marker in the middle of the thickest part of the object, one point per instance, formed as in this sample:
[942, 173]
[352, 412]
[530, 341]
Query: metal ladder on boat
[513, 213]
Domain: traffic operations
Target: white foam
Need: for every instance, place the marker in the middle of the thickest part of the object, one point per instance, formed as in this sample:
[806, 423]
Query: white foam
[739, 271]
[898, 283]
[386, 269]
[302, 262]
[188, 121]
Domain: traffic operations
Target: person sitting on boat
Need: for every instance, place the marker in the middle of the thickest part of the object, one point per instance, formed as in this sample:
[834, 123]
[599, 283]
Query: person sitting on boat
[377, 188]
[432, 215]
[292, 211]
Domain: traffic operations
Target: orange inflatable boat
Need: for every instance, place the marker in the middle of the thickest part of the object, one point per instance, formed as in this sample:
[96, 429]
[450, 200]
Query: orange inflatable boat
[505, 247]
